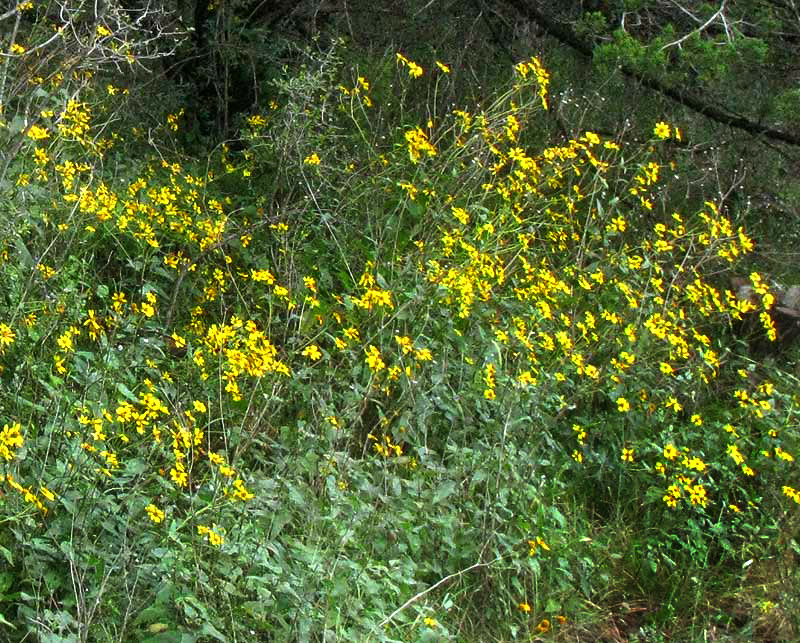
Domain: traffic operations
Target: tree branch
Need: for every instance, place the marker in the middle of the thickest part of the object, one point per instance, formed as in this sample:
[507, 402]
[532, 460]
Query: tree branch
[565, 35]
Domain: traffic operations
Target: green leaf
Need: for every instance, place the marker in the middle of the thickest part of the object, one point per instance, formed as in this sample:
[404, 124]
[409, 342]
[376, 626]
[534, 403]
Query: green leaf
[210, 630]
[7, 555]
[445, 490]
[24, 255]
[126, 392]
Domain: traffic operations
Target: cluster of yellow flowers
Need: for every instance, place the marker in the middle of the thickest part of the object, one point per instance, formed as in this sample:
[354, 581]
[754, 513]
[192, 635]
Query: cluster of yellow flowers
[568, 297]
[414, 70]
[482, 267]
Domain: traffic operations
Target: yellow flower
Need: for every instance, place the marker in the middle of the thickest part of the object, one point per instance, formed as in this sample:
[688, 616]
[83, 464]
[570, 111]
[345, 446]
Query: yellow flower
[445, 69]
[179, 475]
[40, 156]
[312, 352]
[38, 133]
[627, 455]
[374, 359]
[525, 607]
[49, 495]
[461, 214]
[697, 495]
[623, 405]
[670, 452]
[155, 514]
[661, 130]
[312, 159]
[733, 451]
[213, 537]
[94, 326]
[672, 496]
[10, 439]
[418, 144]
[7, 337]
[792, 493]
[310, 283]
[539, 542]
[414, 70]
[59, 364]
[241, 491]
[262, 275]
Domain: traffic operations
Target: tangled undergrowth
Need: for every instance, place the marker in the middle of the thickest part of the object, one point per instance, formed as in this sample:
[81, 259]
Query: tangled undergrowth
[379, 370]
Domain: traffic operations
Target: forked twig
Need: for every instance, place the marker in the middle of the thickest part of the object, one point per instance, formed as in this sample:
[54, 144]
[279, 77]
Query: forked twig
[442, 581]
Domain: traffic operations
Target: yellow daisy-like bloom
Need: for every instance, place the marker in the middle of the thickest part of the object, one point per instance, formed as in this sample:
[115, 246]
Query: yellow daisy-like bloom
[312, 352]
[10, 439]
[38, 133]
[662, 130]
[7, 336]
[374, 360]
[155, 514]
[792, 493]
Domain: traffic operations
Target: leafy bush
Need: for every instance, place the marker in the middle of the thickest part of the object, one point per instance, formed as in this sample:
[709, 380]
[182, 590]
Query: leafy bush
[374, 371]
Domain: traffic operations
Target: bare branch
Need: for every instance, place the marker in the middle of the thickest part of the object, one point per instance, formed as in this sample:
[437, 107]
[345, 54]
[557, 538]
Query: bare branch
[702, 28]
[438, 583]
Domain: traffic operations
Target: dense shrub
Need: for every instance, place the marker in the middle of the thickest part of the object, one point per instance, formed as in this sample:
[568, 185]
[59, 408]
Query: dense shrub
[374, 370]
